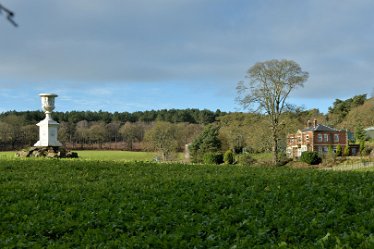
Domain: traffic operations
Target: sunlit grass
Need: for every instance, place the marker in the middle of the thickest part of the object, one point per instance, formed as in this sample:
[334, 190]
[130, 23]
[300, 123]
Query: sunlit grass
[7, 154]
[116, 155]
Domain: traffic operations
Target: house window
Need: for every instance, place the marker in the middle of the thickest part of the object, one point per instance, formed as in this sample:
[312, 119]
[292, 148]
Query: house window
[325, 149]
[319, 137]
[320, 149]
[326, 137]
[336, 137]
[291, 141]
[354, 151]
[307, 137]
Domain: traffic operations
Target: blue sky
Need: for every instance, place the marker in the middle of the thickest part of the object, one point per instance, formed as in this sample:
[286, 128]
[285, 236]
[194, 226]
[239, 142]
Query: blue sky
[127, 55]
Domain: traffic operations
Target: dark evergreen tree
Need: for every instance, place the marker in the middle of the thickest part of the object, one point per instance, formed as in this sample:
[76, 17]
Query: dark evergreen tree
[208, 141]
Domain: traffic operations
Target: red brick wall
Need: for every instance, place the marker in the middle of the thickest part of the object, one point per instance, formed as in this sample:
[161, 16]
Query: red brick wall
[331, 140]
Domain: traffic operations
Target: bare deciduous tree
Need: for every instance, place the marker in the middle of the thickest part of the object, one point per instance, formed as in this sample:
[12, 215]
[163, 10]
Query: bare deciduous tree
[267, 89]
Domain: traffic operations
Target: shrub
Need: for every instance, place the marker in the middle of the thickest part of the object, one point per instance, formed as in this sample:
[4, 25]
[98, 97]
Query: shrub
[228, 157]
[368, 150]
[338, 150]
[331, 156]
[283, 159]
[310, 157]
[213, 158]
[362, 148]
[246, 159]
[346, 150]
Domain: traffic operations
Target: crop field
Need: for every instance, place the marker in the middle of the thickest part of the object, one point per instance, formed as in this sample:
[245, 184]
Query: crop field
[116, 204]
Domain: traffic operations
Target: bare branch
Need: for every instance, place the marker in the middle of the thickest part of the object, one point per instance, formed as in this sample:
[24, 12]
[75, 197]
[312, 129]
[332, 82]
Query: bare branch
[10, 15]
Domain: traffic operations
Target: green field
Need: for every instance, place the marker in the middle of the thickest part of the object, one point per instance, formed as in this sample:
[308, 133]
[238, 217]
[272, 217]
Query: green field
[116, 155]
[7, 154]
[107, 204]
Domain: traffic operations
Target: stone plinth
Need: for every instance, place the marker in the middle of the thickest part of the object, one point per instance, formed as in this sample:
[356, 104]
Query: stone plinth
[48, 130]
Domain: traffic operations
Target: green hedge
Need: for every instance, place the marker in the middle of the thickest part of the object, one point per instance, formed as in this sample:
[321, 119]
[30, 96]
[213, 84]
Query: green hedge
[310, 157]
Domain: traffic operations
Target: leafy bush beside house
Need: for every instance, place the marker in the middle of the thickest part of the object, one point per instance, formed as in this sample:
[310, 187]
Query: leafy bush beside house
[362, 148]
[346, 150]
[338, 150]
[310, 157]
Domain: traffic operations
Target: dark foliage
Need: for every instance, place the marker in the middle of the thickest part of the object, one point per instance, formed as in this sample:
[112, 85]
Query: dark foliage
[341, 108]
[208, 141]
[310, 157]
[228, 157]
[213, 158]
[193, 116]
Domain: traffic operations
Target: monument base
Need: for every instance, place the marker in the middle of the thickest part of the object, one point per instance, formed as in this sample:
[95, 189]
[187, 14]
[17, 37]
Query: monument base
[48, 131]
[48, 152]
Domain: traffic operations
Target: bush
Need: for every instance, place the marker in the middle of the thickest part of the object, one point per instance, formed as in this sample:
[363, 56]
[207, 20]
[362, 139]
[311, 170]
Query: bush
[338, 150]
[367, 150]
[228, 157]
[346, 150]
[310, 157]
[331, 156]
[246, 159]
[213, 158]
[362, 148]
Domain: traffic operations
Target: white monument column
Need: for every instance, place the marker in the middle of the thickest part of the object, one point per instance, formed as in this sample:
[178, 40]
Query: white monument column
[48, 128]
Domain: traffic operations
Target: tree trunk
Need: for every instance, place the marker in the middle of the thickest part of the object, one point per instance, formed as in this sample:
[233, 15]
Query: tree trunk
[275, 146]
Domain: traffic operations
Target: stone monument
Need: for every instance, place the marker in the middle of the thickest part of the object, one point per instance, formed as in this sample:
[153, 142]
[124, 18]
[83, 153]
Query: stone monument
[48, 145]
[48, 128]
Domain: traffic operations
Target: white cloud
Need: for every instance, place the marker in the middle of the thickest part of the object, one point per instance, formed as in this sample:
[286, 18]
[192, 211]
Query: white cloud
[100, 43]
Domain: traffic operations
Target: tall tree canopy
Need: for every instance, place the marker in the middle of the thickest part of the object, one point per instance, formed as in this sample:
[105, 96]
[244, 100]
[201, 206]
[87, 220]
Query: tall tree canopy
[268, 86]
[341, 108]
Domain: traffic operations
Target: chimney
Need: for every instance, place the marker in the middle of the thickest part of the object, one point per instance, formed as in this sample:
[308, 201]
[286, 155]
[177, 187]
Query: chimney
[315, 123]
[309, 124]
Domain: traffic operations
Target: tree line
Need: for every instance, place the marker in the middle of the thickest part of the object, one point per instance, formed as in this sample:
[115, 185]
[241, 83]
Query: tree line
[193, 116]
[104, 130]
[101, 130]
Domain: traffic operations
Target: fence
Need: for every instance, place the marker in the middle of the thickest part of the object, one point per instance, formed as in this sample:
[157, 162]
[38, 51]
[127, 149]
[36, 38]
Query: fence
[352, 166]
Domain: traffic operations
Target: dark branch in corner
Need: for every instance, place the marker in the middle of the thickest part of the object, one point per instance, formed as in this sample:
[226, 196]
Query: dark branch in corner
[10, 15]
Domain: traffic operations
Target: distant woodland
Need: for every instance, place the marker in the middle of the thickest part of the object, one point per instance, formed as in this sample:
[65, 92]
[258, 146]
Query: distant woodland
[145, 130]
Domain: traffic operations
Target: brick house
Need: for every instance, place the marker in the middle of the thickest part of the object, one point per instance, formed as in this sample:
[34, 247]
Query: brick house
[370, 132]
[317, 137]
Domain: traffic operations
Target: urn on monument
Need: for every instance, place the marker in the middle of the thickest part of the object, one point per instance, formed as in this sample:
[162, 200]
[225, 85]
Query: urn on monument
[48, 128]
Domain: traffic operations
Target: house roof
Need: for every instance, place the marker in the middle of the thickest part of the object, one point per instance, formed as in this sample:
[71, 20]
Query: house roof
[369, 129]
[320, 127]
